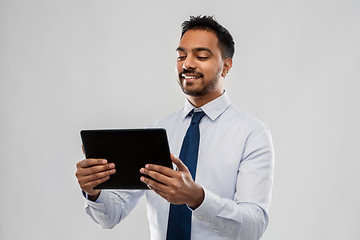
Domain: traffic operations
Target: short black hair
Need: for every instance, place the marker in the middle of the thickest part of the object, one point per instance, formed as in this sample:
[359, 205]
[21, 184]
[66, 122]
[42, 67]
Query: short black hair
[226, 42]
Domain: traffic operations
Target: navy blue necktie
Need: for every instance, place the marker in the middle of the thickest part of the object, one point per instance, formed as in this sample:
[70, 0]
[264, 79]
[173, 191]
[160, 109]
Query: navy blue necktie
[179, 223]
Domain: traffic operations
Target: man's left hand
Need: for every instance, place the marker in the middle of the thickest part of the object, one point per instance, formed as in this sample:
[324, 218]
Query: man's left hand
[176, 187]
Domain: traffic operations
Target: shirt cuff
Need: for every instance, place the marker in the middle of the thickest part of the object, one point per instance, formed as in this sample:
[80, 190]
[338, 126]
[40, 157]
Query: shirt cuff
[99, 203]
[206, 208]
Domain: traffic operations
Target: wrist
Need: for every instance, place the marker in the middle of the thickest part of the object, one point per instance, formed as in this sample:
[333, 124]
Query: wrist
[199, 198]
[93, 197]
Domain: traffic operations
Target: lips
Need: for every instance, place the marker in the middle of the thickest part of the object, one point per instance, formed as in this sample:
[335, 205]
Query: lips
[190, 76]
[187, 75]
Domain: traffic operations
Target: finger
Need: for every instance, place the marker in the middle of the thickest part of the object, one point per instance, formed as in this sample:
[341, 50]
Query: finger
[82, 148]
[82, 172]
[156, 175]
[100, 170]
[162, 194]
[179, 164]
[168, 196]
[96, 169]
[160, 169]
[90, 185]
[153, 184]
[95, 176]
[91, 162]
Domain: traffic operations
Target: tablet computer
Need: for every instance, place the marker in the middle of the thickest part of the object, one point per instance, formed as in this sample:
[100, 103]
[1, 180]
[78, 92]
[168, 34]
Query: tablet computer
[130, 150]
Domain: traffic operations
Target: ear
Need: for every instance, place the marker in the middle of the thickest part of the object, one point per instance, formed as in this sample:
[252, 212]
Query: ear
[226, 66]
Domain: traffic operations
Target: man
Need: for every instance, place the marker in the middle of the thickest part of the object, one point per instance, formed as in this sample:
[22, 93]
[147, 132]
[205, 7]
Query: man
[230, 195]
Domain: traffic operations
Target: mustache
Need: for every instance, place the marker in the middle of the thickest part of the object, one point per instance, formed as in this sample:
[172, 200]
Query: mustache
[191, 72]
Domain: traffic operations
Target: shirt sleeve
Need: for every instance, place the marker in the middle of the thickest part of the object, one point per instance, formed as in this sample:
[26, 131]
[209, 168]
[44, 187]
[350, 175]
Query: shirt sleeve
[112, 206]
[245, 216]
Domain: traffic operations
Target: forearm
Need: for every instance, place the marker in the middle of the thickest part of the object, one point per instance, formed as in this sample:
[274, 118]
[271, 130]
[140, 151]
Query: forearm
[112, 206]
[242, 221]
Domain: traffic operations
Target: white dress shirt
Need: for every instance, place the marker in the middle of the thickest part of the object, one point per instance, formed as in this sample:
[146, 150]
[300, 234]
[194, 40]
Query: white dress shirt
[235, 168]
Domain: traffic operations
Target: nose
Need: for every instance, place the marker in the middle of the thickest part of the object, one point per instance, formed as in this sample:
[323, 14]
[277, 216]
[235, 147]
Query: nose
[189, 63]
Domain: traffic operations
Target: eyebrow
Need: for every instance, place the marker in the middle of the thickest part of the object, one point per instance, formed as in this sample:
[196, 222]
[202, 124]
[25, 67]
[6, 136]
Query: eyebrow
[198, 49]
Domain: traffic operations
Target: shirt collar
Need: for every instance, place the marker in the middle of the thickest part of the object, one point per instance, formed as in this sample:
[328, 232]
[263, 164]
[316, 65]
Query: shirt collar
[212, 109]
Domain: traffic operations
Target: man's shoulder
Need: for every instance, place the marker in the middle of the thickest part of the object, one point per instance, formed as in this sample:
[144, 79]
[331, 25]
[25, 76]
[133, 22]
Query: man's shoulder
[237, 115]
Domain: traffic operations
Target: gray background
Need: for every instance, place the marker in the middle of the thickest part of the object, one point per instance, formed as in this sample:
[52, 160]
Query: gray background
[69, 65]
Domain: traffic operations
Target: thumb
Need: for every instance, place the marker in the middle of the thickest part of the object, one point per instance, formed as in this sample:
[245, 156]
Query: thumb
[179, 164]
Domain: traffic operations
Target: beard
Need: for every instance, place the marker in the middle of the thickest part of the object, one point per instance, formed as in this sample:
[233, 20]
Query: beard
[204, 87]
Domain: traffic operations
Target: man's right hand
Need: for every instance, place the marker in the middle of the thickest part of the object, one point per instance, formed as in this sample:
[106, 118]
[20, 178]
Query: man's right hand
[91, 172]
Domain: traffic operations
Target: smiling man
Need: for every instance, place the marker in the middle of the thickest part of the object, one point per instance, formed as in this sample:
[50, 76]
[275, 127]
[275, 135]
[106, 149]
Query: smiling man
[201, 66]
[221, 186]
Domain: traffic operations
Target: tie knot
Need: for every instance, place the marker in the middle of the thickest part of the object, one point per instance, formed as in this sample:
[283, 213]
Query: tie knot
[197, 116]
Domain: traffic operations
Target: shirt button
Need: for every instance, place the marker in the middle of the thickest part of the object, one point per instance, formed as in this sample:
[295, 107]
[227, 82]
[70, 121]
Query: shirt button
[200, 217]
[216, 230]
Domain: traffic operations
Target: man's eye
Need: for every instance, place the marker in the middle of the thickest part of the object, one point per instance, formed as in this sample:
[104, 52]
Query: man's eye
[181, 58]
[202, 58]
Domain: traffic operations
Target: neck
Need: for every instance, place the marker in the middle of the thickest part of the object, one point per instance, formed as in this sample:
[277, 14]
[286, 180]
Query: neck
[202, 100]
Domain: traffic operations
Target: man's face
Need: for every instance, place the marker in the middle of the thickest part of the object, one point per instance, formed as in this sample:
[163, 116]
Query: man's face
[199, 64]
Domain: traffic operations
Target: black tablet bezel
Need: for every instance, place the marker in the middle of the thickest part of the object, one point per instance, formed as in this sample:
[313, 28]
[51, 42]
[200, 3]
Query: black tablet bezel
[130, 150]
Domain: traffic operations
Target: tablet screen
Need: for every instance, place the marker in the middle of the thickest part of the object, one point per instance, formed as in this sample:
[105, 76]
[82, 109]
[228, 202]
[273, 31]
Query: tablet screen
[130, 150]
